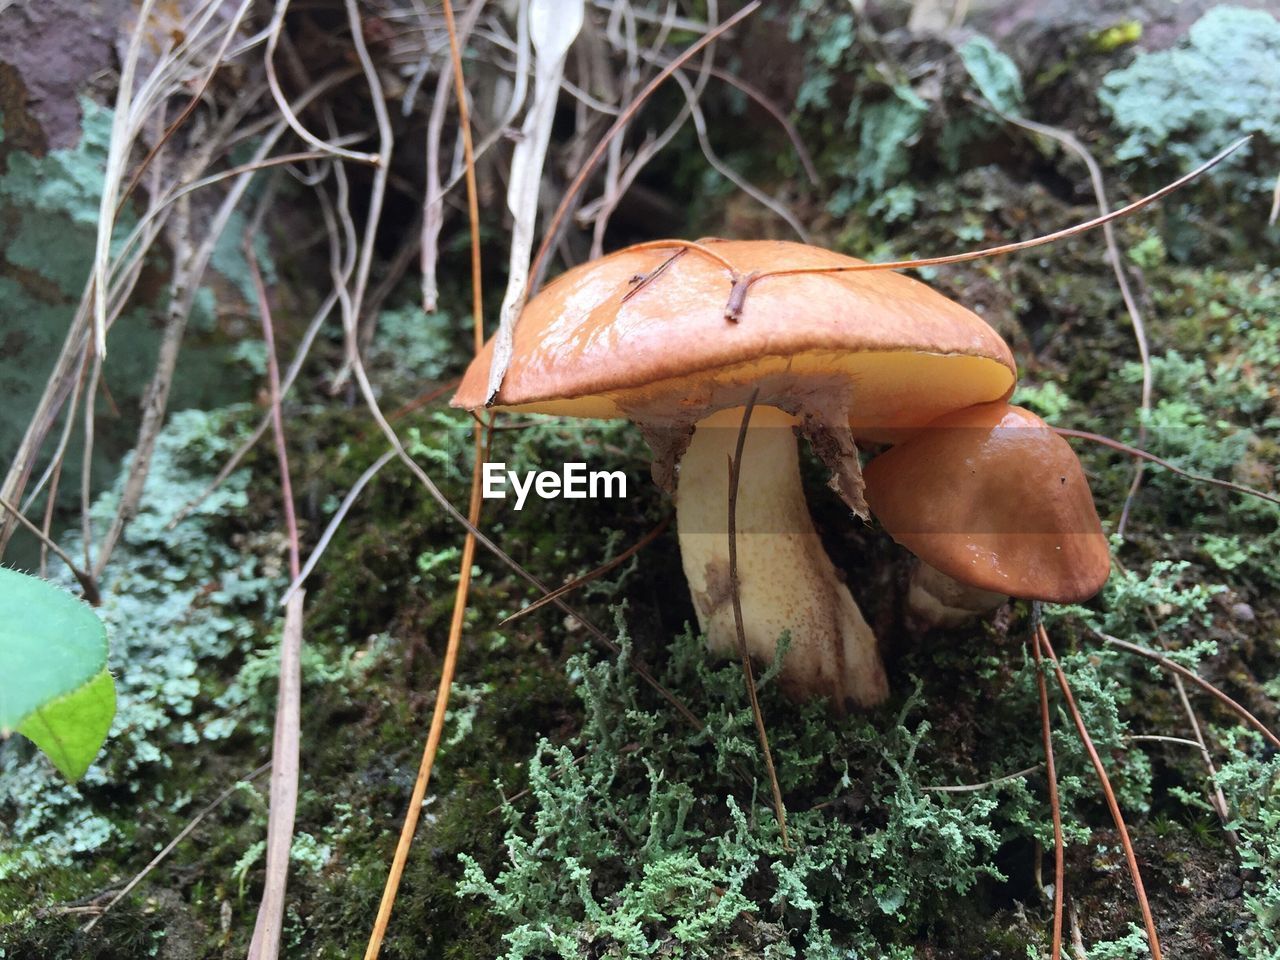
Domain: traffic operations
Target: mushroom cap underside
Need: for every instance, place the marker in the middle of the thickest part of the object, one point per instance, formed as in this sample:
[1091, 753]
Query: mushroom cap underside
[596, 342]
[994, 498]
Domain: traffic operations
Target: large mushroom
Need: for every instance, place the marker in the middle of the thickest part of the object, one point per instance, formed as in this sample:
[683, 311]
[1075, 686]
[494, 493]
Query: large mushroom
[679, 337]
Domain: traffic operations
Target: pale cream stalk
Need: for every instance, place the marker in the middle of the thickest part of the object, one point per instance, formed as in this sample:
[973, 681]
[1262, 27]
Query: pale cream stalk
[786, 580]
[937, 600]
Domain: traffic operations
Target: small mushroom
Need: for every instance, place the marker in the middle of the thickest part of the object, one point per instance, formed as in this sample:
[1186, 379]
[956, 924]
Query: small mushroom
[994, 504]
[678, 339]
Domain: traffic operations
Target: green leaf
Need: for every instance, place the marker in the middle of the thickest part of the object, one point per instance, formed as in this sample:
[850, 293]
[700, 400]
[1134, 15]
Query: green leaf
[70, 730]
[54, 684]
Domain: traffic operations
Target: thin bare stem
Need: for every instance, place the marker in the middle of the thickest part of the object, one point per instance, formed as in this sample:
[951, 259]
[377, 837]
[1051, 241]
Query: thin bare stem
[282, 103]
[433, 195]
[701, 248]
[1177, 668]
[748, 673]
[172, 845]
[1153, 938]
[985, 784]
[1275, 204]
[1197, 477]
[1160, 738]
[286, 744]
[1055, 805]
[197, 95]
[779, 116]
[277, 414]
[335, 522]
[774, 205]
[1072, 143]
[86, 581]
[117, 155]
[285, 748]
[448, 668]
[1216, 796]
[586, 578]
[1005, 248]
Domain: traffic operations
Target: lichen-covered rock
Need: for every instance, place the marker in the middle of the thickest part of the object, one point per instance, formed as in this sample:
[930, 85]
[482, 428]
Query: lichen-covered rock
[1222, 82]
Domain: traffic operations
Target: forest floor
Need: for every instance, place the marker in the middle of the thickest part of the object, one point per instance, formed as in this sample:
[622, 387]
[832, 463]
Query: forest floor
[572, 811]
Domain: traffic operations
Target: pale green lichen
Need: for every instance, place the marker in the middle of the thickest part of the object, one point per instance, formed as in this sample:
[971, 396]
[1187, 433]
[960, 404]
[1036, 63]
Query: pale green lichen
[644, 840]
[1252, 787]
[172, 600]
[1221, 83]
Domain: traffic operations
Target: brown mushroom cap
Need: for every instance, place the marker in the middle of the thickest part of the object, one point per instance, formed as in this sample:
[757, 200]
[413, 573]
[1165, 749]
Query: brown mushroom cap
[901, 352]
[992, 497]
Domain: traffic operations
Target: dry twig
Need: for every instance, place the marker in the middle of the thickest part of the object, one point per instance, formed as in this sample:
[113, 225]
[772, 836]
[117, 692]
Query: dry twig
[1073, 143]
[1046, 728]
[598, 572]
[1153, 938]
[409, 827]
[748, 674]
[172, 845]
[1159, 461]
[286, 740]
[1177, 668]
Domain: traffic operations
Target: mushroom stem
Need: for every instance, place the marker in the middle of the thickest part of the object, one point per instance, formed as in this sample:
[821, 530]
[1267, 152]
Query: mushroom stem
[786, 580]
[937, 600]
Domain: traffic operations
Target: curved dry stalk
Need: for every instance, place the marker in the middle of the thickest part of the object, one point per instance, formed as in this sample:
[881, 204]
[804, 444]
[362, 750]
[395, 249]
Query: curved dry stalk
[378, 188]
[735, 593]
[433, 195]
[54, 467]
[1153, 938]
[1216, 797]
[623, 39]
[1160, 738]
[217, 61]
[1165, 663]
[117, 155]
[985, 784]
[286, 739]
[334, 523]
[282, 103]
[285, 748]
[1005, 248]
[1055, 805]
[775, 206]
[1160, 461]
[595, 574]
[1072, 143]
[84, 578]
[172, 845]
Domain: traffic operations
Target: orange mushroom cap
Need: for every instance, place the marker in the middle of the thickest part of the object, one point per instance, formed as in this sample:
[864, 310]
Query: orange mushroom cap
[994, 498]
[898, 353]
